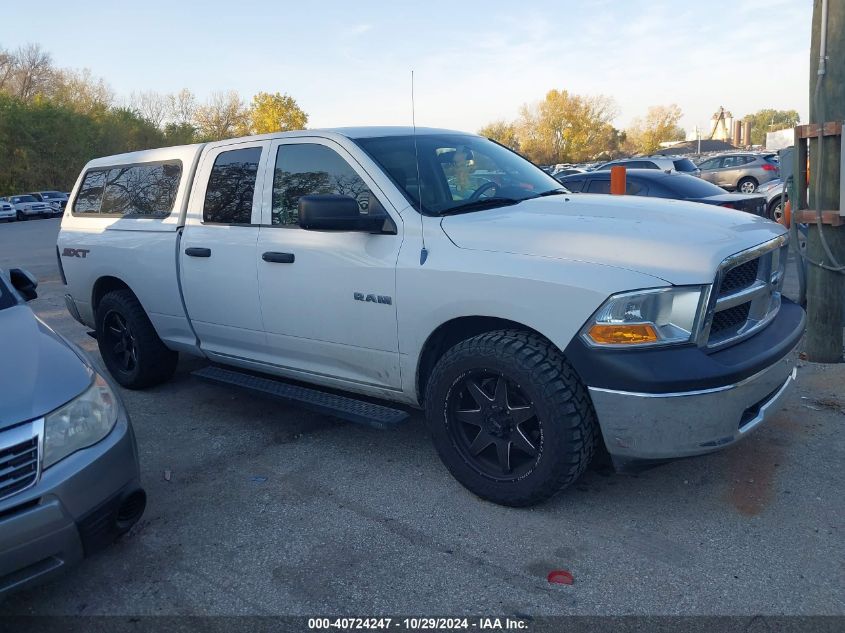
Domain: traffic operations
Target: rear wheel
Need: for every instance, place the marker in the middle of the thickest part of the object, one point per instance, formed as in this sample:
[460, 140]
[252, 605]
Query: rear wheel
[510, 418]
[129, 344]
[747, 185]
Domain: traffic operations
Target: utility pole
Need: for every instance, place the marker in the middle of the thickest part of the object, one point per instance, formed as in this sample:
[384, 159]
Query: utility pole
[826, 288]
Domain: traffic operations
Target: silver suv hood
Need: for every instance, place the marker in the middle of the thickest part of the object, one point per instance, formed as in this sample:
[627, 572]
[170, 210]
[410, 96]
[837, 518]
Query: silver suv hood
[39, 371]
[679, 242]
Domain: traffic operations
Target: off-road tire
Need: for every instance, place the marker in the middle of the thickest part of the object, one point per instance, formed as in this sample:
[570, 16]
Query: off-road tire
[155, 363]
[560, 400]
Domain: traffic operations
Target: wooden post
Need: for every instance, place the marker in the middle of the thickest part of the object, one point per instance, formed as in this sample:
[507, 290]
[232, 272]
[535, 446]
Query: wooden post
[617, 180]
[825, 288]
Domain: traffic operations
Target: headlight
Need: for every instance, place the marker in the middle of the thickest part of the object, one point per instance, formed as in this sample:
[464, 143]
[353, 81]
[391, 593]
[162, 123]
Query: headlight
[80, 423]
[661, 316]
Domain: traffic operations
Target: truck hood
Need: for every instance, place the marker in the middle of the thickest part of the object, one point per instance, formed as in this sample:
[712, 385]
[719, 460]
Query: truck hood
[679, 242]
[39, 371]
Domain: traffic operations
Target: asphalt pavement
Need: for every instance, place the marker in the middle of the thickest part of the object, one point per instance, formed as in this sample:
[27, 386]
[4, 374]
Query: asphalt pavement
[260, 508]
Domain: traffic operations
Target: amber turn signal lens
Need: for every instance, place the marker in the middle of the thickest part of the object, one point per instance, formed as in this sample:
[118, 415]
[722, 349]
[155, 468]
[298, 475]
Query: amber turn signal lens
[620, 334]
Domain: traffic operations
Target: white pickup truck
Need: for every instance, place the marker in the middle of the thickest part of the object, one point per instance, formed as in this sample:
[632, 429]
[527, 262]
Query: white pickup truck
[438, 270]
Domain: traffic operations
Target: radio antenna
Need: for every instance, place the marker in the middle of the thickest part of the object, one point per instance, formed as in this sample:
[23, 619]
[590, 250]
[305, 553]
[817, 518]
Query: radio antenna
[424, 250]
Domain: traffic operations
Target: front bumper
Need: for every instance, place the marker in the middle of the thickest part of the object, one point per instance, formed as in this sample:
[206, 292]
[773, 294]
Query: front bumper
[658, 404]
[659, 426]
[71, 511]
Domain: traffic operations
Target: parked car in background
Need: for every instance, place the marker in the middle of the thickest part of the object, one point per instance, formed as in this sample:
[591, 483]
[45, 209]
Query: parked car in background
[740, 172]
[659, 184]
[567, 171]
[69, 476]
[55, 198]
[7, 211]
[27, 206]
[775, 198]
[664, 163]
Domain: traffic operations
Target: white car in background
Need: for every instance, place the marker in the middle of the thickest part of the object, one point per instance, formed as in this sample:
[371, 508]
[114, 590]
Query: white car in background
[7, 211]
[27, 206]
[55, 199]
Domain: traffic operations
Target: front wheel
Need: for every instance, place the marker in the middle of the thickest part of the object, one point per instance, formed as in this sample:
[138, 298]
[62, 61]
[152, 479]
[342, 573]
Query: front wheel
[21, 216]
[129, 344]
[510, 418]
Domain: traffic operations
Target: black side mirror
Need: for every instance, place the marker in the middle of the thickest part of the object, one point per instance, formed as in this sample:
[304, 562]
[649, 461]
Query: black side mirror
[24, 282]
[332, 212]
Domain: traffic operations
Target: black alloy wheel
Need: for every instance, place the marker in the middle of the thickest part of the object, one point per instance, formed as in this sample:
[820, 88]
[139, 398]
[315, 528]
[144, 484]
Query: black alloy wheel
[494, 426]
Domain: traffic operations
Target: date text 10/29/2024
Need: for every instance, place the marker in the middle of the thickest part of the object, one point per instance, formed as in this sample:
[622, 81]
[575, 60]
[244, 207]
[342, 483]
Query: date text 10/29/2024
[418, 624]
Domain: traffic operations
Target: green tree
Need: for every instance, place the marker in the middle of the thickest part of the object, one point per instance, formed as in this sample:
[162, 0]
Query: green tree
[769, 120]
[275, 112]
[660, 124]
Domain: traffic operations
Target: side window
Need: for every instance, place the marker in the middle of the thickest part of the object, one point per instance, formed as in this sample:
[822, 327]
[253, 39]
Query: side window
[231, 185]
[598, 186]
[142, 190]
[309, 169]
[90, 192]
[574, 184]
[708, 164]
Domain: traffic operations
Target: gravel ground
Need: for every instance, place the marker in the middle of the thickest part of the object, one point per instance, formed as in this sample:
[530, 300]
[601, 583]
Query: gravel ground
[272, 510]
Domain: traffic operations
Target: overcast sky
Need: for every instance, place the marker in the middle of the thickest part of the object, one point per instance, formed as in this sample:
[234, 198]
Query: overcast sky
[348, 63]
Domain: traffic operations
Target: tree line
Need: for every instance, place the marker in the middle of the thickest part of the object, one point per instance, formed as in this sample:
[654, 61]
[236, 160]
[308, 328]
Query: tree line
[570, 128]
[53, 120]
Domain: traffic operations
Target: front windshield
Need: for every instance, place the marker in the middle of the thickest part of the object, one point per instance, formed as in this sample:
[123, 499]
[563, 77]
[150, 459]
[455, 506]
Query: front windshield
[458, 172]
[26, 199]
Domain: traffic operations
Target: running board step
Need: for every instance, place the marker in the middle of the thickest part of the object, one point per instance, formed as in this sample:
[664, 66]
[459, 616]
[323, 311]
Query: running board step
[359, 411]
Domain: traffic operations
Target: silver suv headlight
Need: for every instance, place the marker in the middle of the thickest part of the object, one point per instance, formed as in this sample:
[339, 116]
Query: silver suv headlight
[660, 316]
[83, 421]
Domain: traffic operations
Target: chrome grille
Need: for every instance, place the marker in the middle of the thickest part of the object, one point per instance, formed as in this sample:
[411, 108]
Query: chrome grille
[739, 277]
[747, 293]
[19, 465]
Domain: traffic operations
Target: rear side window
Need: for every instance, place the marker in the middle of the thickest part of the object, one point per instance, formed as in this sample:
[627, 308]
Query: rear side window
[231, 186]
[309, 169]
[684, 164]
[634, 188]
[90, 193]
[598, 186]
[142, 190]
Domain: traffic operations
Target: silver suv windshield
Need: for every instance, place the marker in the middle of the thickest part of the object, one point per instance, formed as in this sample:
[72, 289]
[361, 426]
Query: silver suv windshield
[458, 173]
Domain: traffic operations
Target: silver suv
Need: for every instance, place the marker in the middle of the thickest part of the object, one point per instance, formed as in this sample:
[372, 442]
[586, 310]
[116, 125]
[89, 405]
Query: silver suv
[665, 163]
[740, 172]
[69, 478]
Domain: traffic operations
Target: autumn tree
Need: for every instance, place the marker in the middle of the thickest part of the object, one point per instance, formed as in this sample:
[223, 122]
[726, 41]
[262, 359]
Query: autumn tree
[502, 132]
[275, 113]
[565, 127]
[222, 116]
[150, 105]
[31, 72]
[182, 107]
[769, 120]
[660, 124]
[81, 91]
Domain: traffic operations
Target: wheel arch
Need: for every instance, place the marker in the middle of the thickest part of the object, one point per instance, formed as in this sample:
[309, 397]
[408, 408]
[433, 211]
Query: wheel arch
[452, 332]
[105, 285]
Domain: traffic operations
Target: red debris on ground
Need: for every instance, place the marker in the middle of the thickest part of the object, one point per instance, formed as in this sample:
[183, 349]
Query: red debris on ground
[560, 577]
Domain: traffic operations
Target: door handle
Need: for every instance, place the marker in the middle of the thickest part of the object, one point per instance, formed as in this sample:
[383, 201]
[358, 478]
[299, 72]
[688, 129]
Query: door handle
[194, 251]
[278, 258]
